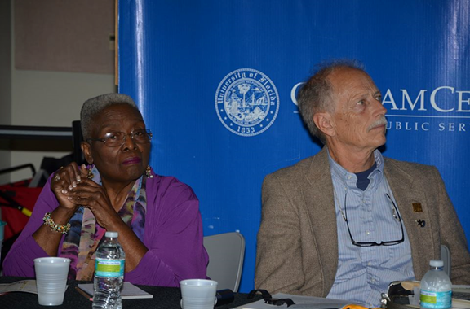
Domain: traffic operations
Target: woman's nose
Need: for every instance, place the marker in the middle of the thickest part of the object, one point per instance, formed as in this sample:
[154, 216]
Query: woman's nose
[129, 141]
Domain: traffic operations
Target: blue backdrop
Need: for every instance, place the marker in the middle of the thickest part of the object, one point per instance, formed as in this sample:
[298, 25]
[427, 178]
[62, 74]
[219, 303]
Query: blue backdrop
[216, 82]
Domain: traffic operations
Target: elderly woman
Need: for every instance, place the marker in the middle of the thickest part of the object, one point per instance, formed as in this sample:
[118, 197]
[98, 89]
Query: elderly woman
[157, 218]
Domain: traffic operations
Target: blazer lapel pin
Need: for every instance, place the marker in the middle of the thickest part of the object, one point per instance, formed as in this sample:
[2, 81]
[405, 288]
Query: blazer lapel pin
[417, 207]
[420, 222]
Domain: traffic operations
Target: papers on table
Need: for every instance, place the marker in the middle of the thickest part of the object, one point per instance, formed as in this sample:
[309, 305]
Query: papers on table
[461, 289]
[301, 302]
[27, 286]
[460, 296]
[310, 302]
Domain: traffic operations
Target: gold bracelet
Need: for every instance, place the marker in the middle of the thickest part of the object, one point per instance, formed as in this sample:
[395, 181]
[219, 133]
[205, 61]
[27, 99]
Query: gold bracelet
[63, 229]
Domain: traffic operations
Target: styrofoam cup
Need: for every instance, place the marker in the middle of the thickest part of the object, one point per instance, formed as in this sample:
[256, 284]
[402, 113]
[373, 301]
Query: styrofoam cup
[198, 294]
[51, 279]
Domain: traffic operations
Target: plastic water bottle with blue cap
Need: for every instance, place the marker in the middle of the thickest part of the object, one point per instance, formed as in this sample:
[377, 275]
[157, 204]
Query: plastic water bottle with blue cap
[435, 287]
[109, 273]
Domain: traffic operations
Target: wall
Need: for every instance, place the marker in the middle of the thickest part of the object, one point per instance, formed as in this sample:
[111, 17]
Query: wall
[43, 98]
[220, 77]
[5, 81]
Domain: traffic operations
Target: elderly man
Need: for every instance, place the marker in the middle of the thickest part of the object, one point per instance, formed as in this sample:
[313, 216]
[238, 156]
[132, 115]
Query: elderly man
[346, 222]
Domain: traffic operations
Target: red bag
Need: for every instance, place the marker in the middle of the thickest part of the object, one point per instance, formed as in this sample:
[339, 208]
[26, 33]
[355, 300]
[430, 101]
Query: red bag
[17, 201]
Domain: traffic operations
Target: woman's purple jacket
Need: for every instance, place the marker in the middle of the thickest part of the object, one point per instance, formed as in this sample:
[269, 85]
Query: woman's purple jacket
[173, 235]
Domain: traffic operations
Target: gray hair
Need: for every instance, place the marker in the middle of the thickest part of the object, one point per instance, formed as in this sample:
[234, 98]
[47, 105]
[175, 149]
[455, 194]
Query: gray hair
[94, 106]
[316, 94]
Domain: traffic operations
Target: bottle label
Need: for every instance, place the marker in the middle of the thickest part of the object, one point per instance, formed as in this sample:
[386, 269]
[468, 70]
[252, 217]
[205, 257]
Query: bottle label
[109, 268]
[431, 299]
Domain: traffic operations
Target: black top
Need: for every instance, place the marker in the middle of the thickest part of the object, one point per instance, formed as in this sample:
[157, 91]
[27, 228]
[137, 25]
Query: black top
[363, 178]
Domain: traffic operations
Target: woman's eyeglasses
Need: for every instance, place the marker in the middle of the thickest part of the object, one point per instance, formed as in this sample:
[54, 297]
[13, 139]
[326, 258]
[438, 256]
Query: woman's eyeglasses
[396, 215]
[115, 139]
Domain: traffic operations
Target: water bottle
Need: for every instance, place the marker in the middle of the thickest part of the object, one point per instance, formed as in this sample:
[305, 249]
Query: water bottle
[109, 272]
[435, 287]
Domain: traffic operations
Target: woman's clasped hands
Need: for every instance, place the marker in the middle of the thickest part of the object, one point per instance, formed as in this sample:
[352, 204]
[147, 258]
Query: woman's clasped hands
[64, 181]
[73, 189]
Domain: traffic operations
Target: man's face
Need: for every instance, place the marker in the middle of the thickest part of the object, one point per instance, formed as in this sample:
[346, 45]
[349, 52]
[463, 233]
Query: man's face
[359, 117]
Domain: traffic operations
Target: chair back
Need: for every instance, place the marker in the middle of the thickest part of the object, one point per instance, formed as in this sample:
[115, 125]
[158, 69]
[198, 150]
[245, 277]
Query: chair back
[445, 257]
[77, 142]
[226, 254]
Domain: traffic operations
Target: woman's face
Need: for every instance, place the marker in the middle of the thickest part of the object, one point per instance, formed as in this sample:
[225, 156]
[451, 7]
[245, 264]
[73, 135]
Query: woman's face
[120, 163]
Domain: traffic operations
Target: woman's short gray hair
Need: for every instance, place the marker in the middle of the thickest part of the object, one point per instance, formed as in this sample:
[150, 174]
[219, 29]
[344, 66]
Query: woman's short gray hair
[316, 94]
[94, 106]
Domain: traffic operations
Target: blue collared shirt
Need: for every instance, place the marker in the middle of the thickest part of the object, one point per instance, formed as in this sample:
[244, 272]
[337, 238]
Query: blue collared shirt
[365, 272]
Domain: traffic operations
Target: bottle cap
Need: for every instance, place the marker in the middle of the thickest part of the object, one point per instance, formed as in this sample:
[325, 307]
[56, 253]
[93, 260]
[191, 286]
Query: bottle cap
[436, 263]
[111, 234]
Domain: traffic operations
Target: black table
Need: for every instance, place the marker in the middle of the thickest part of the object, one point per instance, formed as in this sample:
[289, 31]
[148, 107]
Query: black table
[163, 298]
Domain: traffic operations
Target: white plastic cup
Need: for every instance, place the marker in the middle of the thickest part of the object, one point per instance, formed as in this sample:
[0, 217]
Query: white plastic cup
[51, 279]
[198, 294]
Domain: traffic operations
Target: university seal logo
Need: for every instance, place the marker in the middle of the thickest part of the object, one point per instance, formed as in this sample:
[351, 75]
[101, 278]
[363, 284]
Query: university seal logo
[246, 102]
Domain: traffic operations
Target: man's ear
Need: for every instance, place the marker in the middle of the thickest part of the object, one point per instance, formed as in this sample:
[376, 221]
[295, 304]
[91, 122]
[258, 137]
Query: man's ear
[325, 123]
[86, 149]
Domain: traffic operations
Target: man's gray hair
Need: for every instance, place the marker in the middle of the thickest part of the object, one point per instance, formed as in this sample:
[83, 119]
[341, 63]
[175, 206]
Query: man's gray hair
[94, 106]
[316, 94]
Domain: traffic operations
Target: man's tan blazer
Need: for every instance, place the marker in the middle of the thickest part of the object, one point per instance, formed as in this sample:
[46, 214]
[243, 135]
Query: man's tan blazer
[297, 250]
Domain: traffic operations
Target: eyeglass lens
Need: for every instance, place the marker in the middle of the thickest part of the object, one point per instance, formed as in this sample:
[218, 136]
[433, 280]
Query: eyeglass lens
[118, 138]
